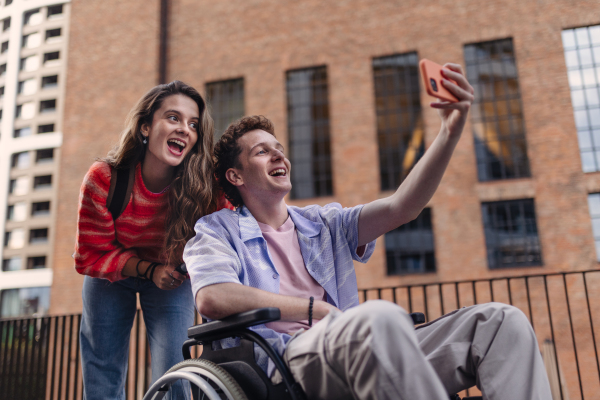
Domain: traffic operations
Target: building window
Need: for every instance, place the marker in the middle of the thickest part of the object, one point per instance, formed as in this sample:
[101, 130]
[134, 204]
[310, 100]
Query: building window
[308, 130]
[47, 106]
[409, 248]
[55, 11]
[22, 132]
[30, 63]
[25, 110]
[1, 91]
[14, 239]
[32, 40]
[53, 34]
[36, 262]
[582, 56]
[511, 234]
[44, 156]
[20, 160]
[45, 128]
[40, 209]
[5, 24]
[226, 102]
[49, 82]
[399, 123]
[42, 182]
[24, 302]
[497, 116]
[11, 264]
[17, 212]
[4, 47]
[51, 57]
[26, 87]
[8, 2]
[18, 186]
[37, 236]
[594, 205]
[32, 17]
[2, 69]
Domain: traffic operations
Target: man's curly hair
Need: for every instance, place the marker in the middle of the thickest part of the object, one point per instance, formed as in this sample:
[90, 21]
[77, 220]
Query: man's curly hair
[227, 152]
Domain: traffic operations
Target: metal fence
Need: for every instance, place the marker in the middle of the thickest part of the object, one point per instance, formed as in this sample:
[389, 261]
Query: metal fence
[39, 357]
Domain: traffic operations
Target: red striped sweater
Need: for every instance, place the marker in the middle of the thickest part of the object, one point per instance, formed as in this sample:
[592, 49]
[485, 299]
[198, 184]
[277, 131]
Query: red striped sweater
[102, 246]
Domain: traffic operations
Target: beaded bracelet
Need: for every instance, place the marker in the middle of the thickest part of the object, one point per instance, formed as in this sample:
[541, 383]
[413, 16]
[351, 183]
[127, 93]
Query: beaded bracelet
[310, 311]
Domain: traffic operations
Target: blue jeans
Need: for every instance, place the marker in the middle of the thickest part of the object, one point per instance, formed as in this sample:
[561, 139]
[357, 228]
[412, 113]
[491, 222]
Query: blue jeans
[108, 314]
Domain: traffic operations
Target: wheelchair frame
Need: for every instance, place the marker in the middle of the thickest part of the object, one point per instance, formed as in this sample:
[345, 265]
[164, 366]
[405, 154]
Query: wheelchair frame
[239, 362]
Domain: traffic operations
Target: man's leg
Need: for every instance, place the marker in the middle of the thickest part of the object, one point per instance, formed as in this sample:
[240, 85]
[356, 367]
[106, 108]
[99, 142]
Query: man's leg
[168, 314]
[491, 345]
[368, 352]
[108, 313]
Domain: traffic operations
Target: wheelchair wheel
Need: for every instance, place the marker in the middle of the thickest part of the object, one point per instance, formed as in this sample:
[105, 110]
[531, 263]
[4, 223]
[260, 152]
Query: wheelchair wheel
[216, 376]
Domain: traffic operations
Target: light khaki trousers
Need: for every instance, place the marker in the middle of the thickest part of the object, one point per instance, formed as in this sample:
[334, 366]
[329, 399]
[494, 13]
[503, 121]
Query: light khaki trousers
[373, 351]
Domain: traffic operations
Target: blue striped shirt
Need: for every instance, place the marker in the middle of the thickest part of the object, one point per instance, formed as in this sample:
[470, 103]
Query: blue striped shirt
[229, 248]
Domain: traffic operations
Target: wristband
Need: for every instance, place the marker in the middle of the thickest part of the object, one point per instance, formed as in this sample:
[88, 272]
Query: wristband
[137, 271]
[152, 267]
[310, 309]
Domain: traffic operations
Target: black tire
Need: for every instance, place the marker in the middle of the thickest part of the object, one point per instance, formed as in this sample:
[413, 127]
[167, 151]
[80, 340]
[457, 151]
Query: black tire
[219, 379]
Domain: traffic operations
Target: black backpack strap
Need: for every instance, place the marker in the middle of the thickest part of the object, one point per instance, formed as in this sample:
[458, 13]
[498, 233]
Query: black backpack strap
[121, 186]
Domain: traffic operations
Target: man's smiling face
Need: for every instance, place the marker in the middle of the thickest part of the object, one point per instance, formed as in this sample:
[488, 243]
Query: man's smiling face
[262, 168]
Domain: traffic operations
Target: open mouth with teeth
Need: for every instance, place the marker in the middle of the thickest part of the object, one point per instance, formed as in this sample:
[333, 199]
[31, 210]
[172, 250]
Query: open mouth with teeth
[278, 172]
[176, 146]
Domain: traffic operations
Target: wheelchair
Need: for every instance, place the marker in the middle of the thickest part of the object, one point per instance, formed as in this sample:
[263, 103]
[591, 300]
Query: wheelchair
[232, 373]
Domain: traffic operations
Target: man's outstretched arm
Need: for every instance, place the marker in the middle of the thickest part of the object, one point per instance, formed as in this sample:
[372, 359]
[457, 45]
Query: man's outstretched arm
[224, 299]
[383, 215]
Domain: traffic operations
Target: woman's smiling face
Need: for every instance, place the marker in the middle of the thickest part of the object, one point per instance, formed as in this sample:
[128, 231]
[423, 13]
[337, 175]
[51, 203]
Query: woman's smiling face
[173, 133]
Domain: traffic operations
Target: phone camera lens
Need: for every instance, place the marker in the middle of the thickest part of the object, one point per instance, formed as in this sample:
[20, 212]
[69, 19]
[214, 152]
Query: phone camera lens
[433, 84]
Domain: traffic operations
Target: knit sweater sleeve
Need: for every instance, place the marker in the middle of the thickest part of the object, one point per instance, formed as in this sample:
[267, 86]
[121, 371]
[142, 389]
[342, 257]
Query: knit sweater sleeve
[97, 251]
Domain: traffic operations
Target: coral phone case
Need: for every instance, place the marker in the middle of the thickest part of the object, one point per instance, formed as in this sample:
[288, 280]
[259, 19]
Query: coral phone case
[432, 78]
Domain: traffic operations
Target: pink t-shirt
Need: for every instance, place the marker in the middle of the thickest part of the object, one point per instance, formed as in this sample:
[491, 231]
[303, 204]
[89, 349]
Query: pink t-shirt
[294, 279]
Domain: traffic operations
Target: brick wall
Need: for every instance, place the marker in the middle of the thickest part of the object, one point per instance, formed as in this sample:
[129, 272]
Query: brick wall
[109, 68]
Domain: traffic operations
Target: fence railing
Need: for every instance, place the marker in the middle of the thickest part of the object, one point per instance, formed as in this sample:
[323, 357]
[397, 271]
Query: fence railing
[39, 357]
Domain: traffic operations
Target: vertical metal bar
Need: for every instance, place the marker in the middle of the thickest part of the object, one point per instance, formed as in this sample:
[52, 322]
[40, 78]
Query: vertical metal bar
[491, 289]
[25, 377]
[587, 300]
[457, 295]
[68, 383]
[409, 291]
[379, 294]
[77, 360]
[17, 335]
[53, 360]
[35, 349]
[137, 352]
[62, 354]
[552, 334]
[8, 379]
[6, 329]
[474, 292]
[509, 291]
[425, 302]
[529, 302]
[572, 333]
[394, 296]
[441, 298]
[43, 356]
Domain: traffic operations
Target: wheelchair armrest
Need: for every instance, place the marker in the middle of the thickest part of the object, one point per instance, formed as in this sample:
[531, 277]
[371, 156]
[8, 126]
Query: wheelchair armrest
[234, 322]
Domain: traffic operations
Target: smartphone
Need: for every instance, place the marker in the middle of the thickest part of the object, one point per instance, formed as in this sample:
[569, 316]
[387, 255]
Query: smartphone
[432, 78]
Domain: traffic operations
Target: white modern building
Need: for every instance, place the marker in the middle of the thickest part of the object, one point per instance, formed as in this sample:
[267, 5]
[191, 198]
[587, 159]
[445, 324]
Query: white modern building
[33, 52]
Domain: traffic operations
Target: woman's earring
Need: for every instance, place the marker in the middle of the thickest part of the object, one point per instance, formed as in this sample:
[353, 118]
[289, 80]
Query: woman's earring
[145, 139]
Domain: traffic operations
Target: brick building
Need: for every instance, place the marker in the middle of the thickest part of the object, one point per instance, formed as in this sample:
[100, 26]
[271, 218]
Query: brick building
[339, 80]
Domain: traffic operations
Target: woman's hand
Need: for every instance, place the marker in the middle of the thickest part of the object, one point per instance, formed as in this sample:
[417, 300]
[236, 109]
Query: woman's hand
[454, 115]
[166, 278]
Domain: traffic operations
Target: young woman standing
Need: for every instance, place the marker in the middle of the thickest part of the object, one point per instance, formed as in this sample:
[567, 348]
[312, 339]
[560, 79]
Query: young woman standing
[168, 141]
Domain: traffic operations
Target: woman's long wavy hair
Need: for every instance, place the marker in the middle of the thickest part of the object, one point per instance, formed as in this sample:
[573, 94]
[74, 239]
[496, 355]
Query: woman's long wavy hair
[192, 193]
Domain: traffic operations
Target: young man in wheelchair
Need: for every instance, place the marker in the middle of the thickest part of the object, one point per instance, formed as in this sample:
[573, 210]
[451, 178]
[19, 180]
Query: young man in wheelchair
[300, 260]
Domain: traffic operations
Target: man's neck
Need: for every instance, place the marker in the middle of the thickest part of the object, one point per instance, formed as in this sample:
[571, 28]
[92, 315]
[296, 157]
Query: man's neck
[272, 213]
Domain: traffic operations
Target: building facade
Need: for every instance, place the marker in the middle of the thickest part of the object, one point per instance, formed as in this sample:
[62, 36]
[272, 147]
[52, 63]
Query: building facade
[340, 82]
[33, 54]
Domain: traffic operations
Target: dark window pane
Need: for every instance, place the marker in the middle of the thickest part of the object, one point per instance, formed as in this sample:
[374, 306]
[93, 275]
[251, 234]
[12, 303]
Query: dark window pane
[55, 55]
[4, 47]
[22, 132]
[36, 262]
[40, 209]
[42, 182]
[38, 236]
[496, 113]
[410, 248]
[11, 264]
[399, 123]
[511, 234]
[44, 155]
[5, 24]
[55, 10]
[52, 33]
[24, 302]
[20, 160]
[47, 106]
[45, 128]
[308, 129]
[49, 81]
[226, 102]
